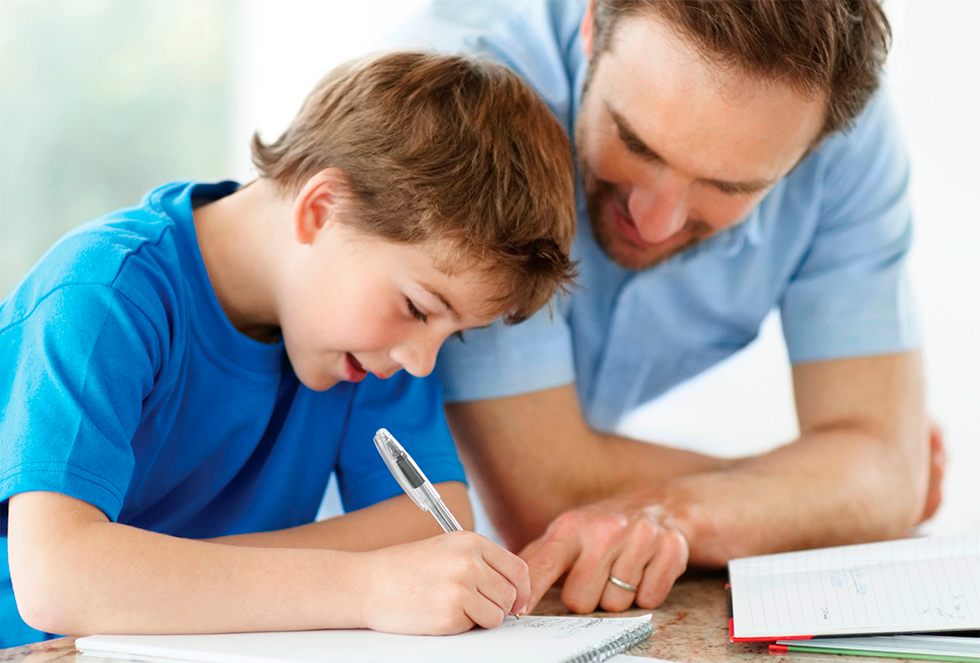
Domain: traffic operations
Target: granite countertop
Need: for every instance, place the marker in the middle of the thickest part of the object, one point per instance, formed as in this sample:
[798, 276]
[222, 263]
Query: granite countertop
[691, 626]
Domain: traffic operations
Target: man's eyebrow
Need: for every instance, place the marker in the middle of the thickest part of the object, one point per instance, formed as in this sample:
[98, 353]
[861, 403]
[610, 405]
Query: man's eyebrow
[629, 137]
[636, 145]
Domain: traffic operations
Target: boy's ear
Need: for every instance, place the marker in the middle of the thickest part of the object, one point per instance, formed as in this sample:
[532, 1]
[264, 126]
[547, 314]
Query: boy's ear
[319, 203]
[585, 30]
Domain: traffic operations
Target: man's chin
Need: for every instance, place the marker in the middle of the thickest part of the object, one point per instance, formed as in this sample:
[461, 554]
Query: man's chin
[637, 258]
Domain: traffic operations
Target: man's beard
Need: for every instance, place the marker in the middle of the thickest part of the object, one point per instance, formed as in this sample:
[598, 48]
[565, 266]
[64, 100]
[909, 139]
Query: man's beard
[600, 196]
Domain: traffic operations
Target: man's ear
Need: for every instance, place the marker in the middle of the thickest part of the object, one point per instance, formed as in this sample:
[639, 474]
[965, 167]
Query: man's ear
[320, 203]
[585, 31]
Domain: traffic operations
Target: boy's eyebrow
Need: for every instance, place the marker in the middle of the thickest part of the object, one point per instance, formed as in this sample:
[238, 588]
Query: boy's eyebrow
[637, 146]
[452, 312]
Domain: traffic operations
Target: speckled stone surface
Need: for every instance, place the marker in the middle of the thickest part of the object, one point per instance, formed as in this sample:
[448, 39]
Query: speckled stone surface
[691, 626]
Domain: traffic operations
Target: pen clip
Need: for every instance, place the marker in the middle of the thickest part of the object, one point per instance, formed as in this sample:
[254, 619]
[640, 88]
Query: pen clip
[402, 467]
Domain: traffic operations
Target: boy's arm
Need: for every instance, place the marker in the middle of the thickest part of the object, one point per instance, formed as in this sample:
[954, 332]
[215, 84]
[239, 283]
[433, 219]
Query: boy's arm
[393, 521]
[75, 572]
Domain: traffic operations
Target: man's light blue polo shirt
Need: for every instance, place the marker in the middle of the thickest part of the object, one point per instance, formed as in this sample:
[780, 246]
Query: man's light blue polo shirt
[827, 247]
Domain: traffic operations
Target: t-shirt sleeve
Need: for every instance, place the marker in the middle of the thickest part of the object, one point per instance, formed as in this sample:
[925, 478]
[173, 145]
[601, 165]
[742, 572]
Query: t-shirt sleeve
[411, 409]
[504, 360]
[75, 370]
[851, 296]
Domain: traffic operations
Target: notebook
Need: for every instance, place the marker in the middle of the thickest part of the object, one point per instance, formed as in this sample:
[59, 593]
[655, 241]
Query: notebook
[546, 639]
[964, 649]
[919, 585]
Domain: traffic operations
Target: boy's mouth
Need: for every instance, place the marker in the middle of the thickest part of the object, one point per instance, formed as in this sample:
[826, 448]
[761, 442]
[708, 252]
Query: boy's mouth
[355, 371]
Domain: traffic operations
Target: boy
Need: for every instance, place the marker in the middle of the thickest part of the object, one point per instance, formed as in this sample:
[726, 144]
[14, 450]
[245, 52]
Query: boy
[197, 367]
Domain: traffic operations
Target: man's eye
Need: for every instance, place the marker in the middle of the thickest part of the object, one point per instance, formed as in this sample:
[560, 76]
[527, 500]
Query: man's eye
[417, 314]
[635, 145]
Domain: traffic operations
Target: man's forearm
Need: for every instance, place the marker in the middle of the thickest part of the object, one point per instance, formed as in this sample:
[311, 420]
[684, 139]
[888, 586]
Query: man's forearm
[831, 488]
[528, 474]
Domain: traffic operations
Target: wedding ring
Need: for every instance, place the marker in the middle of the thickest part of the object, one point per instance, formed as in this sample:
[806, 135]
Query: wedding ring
[622, 585]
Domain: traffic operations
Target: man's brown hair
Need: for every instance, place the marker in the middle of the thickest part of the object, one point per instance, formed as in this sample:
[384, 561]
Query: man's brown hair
[439, 147]
[833, 46]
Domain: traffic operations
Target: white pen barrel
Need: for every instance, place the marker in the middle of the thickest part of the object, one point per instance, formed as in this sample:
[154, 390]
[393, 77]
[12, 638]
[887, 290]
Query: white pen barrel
[436, 507]
[446, 520]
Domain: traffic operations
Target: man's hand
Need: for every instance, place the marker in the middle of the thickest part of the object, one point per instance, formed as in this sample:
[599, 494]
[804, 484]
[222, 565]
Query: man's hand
[860, 471]
[623, 536]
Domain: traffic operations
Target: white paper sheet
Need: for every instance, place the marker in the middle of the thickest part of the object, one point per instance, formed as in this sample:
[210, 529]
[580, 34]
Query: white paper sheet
[911, 585]
[526, 639]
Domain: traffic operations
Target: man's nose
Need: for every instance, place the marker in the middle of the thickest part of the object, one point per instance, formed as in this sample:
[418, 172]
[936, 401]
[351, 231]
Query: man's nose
[659, 207]
[418, 356]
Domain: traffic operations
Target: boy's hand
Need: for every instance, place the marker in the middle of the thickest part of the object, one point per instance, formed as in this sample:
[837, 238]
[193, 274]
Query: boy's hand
[443, 585]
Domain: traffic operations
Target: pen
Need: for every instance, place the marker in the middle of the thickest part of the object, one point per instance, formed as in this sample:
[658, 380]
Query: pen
[413, 481]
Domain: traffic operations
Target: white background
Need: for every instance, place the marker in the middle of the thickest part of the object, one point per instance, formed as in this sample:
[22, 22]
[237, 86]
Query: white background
[745, 404]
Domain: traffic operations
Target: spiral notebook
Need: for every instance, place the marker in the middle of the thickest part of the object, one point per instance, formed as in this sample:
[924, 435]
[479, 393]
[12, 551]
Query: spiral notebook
[546, 639]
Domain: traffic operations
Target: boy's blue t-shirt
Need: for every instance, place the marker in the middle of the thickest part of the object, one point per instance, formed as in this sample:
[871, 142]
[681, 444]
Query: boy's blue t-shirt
[123, 384]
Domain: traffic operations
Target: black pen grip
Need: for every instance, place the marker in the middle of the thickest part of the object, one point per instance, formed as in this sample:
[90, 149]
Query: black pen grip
[409, 471]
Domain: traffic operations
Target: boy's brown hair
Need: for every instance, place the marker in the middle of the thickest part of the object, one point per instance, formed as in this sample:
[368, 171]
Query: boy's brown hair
[442, 147]
[837, 47]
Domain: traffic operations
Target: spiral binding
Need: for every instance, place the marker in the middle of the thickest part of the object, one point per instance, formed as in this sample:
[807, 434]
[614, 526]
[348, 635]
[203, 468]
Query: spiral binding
[615, 645]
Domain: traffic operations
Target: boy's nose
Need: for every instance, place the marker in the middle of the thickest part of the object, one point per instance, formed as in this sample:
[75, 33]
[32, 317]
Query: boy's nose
[418, 356]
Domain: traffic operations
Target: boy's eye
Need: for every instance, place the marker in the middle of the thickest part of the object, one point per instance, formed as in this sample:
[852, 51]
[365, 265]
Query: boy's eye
[416, 313]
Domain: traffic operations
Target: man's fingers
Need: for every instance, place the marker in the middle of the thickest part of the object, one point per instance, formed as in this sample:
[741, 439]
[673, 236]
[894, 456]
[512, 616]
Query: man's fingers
[663, 569]
[630, 566]
[616, 598]
[604, 539]
[549, 560]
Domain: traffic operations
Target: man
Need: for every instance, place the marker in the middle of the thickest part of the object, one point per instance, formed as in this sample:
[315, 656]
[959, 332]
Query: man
[733, 157]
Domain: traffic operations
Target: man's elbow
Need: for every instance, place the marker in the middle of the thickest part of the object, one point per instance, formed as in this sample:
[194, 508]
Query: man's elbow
[914, 481]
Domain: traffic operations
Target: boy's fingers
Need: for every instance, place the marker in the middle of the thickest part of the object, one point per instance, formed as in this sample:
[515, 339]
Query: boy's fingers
[484, 612]
[498, 589]
[514, 571]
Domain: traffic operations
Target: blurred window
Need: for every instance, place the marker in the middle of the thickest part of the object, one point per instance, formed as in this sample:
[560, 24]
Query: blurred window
[101, 101]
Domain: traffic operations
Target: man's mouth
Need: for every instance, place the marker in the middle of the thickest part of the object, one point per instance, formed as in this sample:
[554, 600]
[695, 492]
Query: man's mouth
[628, 229]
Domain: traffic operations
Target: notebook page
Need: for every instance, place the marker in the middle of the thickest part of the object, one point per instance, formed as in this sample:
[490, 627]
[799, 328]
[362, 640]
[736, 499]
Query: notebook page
[921, 584]
[528, 638]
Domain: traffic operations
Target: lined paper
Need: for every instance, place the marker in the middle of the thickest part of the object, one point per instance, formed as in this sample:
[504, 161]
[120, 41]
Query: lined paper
[910, 585]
